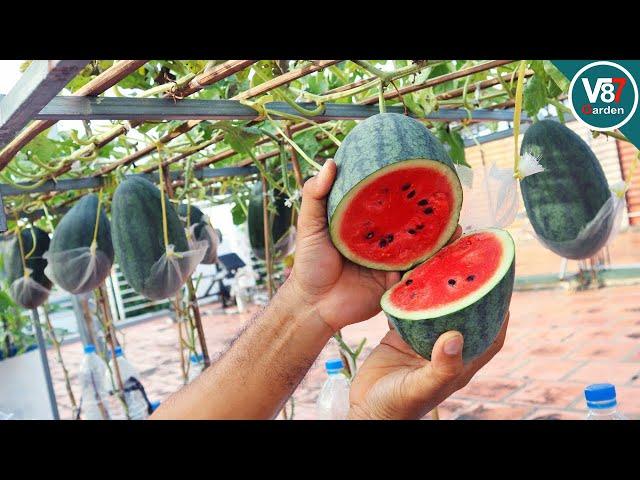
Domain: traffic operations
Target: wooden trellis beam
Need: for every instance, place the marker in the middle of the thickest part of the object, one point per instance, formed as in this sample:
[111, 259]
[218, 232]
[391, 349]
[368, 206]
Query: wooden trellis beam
[215, 75]
[285, 79]
[102, 82]
[41, 82]
[393, 93]
[279, 81]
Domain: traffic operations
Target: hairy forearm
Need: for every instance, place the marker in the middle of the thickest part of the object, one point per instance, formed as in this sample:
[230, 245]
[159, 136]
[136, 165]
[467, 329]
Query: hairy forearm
[260, 371]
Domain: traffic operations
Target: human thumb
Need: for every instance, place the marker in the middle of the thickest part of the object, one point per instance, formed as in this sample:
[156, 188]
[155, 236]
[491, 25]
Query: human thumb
[313, 211]
[446, 357]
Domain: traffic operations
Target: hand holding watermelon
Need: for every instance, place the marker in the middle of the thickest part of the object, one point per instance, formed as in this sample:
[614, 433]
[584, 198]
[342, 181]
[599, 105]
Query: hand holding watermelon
[396, 383]
[340, 291]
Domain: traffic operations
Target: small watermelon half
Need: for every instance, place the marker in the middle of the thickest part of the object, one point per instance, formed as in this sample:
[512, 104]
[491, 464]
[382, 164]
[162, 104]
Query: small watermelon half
[466, 286]
[396, 199]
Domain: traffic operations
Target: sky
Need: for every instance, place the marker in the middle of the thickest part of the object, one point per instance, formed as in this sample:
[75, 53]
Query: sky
[9, 74]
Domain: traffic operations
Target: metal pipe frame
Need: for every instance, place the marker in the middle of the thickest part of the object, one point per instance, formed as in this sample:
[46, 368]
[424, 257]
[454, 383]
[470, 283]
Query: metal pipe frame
[158, 109]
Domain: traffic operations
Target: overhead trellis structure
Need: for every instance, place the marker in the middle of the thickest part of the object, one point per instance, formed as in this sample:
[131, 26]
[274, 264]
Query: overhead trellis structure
[207, 129]
[243, 116]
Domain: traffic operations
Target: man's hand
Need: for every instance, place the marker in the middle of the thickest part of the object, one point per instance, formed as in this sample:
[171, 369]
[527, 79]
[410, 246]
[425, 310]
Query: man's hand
[340, 291]
[396, 383]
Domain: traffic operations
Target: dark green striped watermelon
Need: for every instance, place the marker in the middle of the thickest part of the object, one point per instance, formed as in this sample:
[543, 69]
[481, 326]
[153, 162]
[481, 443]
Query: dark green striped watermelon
[72, 264]
[562, 200]
[194, 213]
[36, 262]
[28, 291]
[396, 199]
[466, 286]
[280, 220]
[136, 221]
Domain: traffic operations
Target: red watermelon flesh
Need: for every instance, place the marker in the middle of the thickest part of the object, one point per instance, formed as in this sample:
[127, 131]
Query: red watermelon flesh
[454, 273]
[400, 214]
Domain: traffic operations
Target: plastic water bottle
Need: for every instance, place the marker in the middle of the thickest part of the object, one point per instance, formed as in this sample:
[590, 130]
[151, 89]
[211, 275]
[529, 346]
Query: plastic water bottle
[601, 400]
[134, 398]
[94, 391]
[333, 401]
[196, 365]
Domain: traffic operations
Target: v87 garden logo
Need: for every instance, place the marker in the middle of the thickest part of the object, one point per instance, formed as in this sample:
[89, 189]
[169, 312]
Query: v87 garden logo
[603, 95]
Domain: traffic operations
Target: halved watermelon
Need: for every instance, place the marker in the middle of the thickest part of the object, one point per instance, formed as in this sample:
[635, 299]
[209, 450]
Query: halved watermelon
[396, 199]
[466, 286]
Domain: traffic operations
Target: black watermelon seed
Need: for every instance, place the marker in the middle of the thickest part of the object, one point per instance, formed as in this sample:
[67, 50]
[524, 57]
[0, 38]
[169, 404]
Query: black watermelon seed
[382, 243]
[411, 194]
[389, 238]
[423, 202]
[408, 282]
[419, 227]
[406, 186]
[451, 282]
[428, 210]
[471, 278]
[412, 231]
[369, 235]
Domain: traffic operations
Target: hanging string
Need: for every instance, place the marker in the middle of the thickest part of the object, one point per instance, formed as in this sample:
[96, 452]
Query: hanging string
[516, 118]
[95, 228]
[165, 232]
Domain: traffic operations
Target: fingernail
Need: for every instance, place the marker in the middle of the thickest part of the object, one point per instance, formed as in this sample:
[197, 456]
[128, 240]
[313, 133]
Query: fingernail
[453, 346]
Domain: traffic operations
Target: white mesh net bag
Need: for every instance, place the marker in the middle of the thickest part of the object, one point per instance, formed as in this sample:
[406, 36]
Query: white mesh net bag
[81, 252]
[172, 270]
[28, 293]
[494, 201]
[78, 270]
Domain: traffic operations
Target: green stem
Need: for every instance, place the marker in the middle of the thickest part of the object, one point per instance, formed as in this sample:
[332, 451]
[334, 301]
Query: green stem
[338, 95]
[301, 110]
[381, 104]
[371, 69]
[311, 162]
[165, 87]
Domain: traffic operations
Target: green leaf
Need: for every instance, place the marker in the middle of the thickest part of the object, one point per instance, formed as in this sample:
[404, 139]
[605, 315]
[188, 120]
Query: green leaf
[308, 143]
[317, 83]
[78, 82]
[538, 68]
[413, 106]
[553, 90]
[263, 71]
[42, 146]
[557, 76]
[239, 138]
[535, 96]
[238, 214]
[454, 144]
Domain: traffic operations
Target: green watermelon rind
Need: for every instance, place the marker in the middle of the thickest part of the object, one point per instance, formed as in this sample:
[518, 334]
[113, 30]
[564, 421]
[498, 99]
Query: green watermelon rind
[561, 201]
[36, 262]
[282, 222]
[478, 317]
[76, 228]
[75, 231]
[137, 232]
[381, 142]
[195, 214]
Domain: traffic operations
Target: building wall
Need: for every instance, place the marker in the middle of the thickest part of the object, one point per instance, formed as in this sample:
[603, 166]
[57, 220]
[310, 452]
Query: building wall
[627, 155]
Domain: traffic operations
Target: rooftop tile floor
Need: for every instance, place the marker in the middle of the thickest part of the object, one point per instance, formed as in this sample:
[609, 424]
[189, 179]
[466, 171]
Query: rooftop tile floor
[558, 342]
